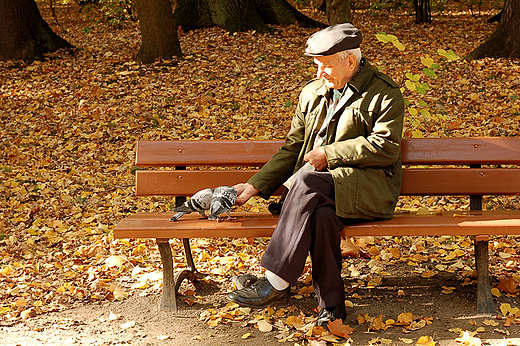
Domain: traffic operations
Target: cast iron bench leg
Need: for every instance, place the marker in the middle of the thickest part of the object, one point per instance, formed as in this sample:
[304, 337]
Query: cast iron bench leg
[168, 296]
[172, 282]
[485, 304]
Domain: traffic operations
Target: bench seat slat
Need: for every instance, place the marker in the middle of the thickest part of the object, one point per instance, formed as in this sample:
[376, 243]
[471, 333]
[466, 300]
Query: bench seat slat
[438, 181]
[157, 225]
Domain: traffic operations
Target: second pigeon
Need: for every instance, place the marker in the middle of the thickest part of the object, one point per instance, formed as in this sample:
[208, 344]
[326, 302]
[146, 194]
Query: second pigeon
[223, 199]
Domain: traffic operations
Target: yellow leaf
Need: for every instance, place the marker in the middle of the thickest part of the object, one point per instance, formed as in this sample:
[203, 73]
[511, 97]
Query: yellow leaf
[428, 62]
[405, 318]
[428, 274]
[246, 336]
[496, 292]
[399, 45]
[7, 270]
[447, 290]
[505, 308]
[425, 341]
[410, 85]
[417, 134]
[490, 323]
[412, 111]
[306, 290]
[294, 321]
[349, 304]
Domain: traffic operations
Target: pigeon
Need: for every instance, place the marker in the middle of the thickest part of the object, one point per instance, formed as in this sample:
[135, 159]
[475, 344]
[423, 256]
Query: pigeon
[200, 202]
[223, 199]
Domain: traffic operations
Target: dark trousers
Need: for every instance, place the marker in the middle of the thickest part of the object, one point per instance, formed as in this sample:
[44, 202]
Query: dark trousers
[308, 224]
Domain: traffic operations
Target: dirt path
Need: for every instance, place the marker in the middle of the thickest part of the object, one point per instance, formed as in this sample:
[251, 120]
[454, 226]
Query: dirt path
[140, 323]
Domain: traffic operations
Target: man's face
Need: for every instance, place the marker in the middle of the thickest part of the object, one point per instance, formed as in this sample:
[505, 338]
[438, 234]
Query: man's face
[335, 72]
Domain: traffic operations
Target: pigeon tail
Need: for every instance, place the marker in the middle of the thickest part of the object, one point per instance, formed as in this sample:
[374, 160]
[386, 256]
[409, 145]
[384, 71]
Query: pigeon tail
[177, 216]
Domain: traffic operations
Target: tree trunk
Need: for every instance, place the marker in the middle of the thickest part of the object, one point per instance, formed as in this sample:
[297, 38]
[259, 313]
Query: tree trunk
[238, 15]
[338, 11]
[422, 11]
[24, 35]
[159, 39]
[504, 42]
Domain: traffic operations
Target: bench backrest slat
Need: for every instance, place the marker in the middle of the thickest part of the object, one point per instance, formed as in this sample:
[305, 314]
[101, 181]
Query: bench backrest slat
[207, 153]
[461, 151]
[421, 158]
[422, 151]
[438, 181]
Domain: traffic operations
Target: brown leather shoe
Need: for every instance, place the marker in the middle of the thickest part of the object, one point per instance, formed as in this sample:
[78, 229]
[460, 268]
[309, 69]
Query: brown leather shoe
[331, 314]
[258, 295]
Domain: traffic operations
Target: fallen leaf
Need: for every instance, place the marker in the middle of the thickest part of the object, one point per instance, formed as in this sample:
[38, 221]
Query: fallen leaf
[405, 318]
[264, 326]
[508, 285]
[337, 327]
[428, 274]
[112, 316]
[128, 324]
[115, 261]
[467, 340]
[377, 323]
[490, 323]
[425, 341]
[509, 321]
[447, 290]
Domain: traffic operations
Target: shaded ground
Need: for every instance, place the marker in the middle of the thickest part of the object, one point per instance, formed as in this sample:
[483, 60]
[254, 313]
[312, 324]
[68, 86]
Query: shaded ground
[90, 324]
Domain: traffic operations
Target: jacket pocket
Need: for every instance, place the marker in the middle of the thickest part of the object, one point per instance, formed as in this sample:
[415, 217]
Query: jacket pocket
[377, 191]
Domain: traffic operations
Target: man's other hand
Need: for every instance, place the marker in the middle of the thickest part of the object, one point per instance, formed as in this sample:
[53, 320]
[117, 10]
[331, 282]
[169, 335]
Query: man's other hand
[317, 158]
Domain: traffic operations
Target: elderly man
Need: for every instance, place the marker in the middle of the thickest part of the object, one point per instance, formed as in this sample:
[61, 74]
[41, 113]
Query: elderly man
[342, 155]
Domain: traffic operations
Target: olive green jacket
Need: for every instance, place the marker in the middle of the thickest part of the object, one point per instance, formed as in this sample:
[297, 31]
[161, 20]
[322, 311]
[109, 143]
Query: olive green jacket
[364, 154]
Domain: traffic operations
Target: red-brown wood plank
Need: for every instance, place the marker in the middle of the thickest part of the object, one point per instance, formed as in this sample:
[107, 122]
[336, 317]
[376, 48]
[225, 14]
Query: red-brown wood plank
[204, 153]
[156, 225]
[437, 181]
[415, 151]
[461, 151]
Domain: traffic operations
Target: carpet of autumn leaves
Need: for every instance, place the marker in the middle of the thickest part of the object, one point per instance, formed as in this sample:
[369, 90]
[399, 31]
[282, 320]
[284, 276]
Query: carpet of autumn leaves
[69, 125]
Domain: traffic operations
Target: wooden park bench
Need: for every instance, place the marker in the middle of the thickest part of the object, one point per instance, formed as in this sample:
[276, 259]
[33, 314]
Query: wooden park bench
[431, 166]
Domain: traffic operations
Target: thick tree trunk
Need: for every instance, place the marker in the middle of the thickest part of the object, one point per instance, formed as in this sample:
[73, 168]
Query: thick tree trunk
[338, 11]
[422, 11]
[238, 15]
[159, 39]
[24, 35]
[504, 42]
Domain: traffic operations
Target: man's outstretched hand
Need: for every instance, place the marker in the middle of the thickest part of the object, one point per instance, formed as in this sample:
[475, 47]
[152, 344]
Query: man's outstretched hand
[244, 192]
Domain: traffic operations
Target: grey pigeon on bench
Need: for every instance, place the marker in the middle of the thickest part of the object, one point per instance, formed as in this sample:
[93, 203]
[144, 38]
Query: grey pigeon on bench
[200, 201]
[224, 198]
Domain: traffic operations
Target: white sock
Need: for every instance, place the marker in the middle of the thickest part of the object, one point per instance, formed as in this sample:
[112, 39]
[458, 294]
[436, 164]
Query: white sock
[276, 281]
